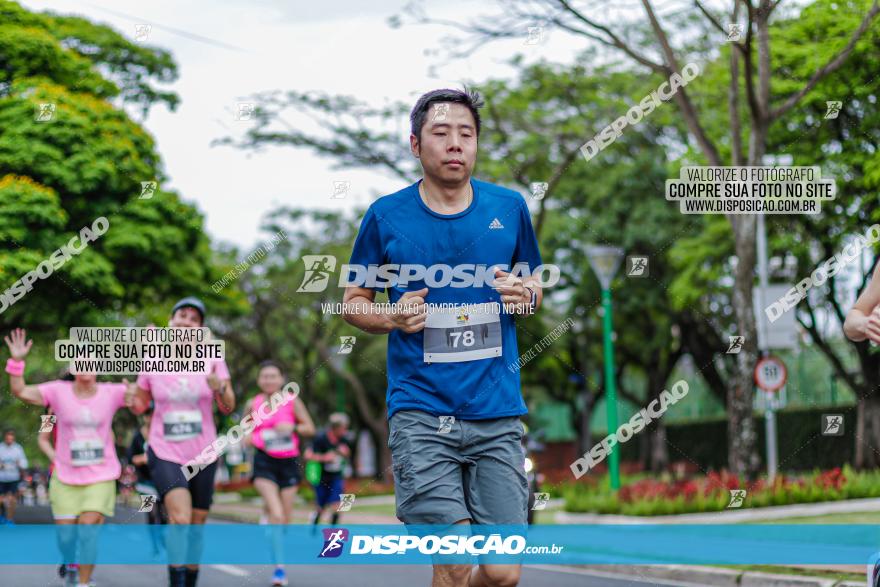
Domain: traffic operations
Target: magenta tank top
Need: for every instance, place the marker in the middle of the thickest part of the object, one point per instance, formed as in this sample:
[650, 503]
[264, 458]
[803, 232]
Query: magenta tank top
[265, 437]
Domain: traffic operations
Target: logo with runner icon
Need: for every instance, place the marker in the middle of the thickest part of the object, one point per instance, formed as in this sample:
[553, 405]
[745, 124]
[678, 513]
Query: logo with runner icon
[346, 345]
[736, 344]
[47, 422]
[737, 498]
[334, 540]
[346, 500]
[462, 317]
[832, 424]
[541, 501]
[147, 503]
[319, 268]
[446, 423]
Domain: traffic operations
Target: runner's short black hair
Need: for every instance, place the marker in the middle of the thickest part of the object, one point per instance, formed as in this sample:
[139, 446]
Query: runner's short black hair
[469, 98]
[9, 431]
[271, 363]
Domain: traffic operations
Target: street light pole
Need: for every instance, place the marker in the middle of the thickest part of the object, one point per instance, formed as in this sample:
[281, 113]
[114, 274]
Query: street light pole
[605, 262]
[610, 387]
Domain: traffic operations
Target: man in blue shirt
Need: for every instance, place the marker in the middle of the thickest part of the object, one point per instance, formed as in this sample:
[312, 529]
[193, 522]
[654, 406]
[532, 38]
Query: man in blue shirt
[12, 462]
[460, 259]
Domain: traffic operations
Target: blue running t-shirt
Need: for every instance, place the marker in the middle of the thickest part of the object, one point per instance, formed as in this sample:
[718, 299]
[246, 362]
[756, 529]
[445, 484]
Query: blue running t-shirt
[495, 230]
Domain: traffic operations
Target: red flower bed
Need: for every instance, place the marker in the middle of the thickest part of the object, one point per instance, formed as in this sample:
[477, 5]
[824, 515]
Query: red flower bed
[719, 483]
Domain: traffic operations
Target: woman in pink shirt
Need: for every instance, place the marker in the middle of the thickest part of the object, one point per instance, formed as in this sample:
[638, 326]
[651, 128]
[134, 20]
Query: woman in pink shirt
[83, 485]
[277, 470]
[181, 428]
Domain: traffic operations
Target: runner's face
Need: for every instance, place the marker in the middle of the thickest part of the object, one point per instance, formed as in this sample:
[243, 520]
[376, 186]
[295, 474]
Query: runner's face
[85, 378]
[269, 380]
[186, 317]
[9, 438]
[447, 147]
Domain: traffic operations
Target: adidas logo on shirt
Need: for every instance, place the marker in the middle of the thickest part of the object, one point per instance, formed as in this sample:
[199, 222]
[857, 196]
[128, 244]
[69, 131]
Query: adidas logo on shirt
[495, 224]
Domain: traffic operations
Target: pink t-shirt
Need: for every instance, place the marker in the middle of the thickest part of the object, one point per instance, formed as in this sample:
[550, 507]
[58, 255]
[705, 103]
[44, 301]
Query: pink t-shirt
[84, 449]
[264, 436]
[183, 417]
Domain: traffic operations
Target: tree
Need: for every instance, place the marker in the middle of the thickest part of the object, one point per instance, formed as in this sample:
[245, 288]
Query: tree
[69, 155]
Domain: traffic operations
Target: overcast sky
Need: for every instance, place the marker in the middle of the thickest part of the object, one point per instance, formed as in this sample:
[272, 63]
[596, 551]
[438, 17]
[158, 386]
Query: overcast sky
[340, 47]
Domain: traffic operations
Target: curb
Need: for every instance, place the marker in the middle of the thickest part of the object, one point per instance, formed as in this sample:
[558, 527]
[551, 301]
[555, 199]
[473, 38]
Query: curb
[699, 575]
[728, 516]
[752, 579]
[720, 577]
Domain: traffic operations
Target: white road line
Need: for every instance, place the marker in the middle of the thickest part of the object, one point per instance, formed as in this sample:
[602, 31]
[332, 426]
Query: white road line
[607, 575]
[231, 569]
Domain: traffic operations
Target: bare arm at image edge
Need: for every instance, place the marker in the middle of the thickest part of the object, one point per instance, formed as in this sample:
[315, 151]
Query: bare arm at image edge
[863, 320]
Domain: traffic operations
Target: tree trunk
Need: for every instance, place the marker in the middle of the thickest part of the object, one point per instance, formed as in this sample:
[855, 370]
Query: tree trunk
[586, 436]
[655, 452]
[742, 435]
[867, 433]
[659, 450]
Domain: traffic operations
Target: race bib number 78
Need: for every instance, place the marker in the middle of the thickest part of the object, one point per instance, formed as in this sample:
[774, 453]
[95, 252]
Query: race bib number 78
[465, 333]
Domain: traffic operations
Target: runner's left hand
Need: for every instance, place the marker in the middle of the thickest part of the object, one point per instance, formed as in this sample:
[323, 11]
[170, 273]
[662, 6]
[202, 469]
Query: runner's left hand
[130, 392]
[214, 382]
[514, 295]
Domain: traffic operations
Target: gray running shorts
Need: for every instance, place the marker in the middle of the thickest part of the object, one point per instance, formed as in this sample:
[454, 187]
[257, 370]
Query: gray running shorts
[474, 471]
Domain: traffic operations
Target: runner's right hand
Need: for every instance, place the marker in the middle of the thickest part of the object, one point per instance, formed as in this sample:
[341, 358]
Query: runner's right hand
[411, 319]
[18, 348]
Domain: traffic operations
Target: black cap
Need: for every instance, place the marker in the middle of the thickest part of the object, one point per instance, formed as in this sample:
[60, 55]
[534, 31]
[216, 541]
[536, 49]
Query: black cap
[190, 302]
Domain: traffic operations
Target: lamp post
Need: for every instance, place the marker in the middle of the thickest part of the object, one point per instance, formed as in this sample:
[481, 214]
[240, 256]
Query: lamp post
[605, 261]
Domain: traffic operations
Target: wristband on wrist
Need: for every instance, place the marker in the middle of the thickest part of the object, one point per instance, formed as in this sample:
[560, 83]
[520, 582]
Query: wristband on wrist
[534, 299]
[15, 367]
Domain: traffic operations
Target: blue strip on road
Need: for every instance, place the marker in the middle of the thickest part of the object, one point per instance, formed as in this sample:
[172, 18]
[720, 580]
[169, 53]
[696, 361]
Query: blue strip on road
[396, 544]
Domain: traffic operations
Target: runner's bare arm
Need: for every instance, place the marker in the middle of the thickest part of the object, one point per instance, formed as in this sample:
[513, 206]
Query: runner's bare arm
[44, 441]
[29, 394]
[248, 407]
[365, 319]
[137, 398]
[320, 457]
[305, 426]
[132, 400]
[863, 320]
[223, 393]
[359, 310]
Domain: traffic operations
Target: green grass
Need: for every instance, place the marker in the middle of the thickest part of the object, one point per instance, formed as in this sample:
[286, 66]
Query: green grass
[374, 508]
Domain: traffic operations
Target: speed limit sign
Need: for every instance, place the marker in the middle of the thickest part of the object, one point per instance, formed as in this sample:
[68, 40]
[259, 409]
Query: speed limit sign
[770, 374]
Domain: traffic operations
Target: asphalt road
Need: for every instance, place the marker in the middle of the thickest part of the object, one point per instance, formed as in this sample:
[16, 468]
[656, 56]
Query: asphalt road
[298, 575]
[305, 576]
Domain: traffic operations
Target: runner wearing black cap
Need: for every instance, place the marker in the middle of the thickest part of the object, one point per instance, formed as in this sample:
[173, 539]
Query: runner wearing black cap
[182, 427]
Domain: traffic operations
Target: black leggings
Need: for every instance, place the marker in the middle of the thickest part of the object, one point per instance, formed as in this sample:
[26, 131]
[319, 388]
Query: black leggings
[167, 476]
